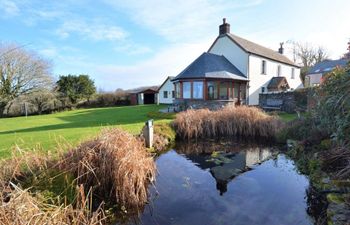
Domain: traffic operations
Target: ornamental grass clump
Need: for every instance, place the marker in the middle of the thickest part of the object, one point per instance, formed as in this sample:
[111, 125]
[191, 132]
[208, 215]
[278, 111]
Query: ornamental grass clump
[116, 165]
[242, 121]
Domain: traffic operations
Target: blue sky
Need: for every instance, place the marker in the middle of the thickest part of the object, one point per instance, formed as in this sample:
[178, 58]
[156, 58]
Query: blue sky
[130, 43]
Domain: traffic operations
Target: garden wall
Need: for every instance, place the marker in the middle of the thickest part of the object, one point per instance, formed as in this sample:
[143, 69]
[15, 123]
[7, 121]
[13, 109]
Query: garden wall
[285, 101]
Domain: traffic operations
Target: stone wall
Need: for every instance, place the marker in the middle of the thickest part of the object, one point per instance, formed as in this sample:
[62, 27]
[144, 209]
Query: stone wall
[184, 104]
[283, 101]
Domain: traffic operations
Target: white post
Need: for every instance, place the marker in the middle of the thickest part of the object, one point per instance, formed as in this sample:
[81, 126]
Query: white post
[26, 109]
[149, 134]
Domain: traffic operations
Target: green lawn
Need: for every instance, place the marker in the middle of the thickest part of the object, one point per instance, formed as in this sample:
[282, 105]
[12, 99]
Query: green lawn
[286, 117]
[47, 131]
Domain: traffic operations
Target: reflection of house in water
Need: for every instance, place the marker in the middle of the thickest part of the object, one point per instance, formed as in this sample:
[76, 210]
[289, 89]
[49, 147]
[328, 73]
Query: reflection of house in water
[225, 166]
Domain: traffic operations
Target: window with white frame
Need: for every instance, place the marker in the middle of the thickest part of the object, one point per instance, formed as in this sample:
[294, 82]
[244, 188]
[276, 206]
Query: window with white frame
[292, 76]
[279, 70]
[186, 89]
[165, 94]
[198, 89]
[263, 67]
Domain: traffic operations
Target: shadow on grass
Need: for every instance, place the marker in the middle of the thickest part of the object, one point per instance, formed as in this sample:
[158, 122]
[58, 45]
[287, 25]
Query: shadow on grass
[95, 118]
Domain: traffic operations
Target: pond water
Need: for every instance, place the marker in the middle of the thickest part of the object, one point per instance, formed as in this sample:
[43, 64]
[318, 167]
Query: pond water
[235, 184]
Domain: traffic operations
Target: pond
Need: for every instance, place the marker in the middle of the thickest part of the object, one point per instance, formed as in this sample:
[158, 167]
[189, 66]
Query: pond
[226, 184]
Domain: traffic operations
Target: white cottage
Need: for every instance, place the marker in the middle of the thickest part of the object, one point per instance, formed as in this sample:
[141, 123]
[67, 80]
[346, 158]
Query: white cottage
[249, 65]
[166, 92]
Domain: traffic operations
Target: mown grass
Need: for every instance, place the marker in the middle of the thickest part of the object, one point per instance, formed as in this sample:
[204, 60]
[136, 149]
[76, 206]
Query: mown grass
[46, 131]
[287, 117]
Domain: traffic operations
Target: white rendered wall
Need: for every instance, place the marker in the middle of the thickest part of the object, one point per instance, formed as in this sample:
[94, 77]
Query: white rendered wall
[226, 47]
[169, 87]
[313, 79]
[258, 80]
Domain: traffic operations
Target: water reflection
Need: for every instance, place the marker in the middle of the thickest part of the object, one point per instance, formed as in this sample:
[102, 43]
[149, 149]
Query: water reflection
[225, 161]
[224, 185]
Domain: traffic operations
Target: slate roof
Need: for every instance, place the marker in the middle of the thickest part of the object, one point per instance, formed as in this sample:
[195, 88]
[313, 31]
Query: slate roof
[327, 65]
[143, 89]
[259, 50]
[275, 82]
[210, 65]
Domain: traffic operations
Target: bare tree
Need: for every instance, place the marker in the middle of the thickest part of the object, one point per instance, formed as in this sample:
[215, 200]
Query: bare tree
[321, 54]
[308, 55]
[21, 72]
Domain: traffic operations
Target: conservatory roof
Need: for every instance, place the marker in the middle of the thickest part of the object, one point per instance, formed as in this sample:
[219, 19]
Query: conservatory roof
[210, 65]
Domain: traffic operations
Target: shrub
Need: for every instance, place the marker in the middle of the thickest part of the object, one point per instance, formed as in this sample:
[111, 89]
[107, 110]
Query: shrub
[107, 100]
[228, 122]
[116, 165]
[333, 109]
[304, 129]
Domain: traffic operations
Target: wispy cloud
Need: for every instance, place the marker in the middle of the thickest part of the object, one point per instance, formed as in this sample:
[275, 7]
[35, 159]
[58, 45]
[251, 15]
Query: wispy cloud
[9, 8]
[170, 60]
[130, 48]
[96, 31]
[189, 21]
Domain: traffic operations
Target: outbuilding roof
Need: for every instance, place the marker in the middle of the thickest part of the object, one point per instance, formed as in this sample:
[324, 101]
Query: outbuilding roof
[277, 82]
[327, 66]
[153, 89]
[210, 65]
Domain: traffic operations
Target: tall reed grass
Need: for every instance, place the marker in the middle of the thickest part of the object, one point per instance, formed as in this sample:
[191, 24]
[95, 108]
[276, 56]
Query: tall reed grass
[74, 187]
[20, 206]
[230, 121]
[116, 165]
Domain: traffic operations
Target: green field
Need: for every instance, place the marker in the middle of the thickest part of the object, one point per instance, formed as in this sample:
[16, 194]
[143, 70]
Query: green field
[47, 131]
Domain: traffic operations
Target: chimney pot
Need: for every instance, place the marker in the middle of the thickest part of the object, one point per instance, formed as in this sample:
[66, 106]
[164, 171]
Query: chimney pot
[224, 28]
[281, 49]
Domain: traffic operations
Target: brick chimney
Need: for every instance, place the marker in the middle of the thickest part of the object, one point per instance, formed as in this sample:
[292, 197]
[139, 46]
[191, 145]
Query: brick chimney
[281, 49]
[224, 28]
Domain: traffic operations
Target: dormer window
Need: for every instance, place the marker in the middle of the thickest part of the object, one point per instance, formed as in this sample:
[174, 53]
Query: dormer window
[279, 70]
[263, 67]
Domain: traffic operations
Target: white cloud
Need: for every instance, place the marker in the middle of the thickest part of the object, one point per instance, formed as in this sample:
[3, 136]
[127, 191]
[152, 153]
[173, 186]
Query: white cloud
[96, 31]
[49, 52]
[169, 61]
[9, 8]
[130, 48]
[181, 19]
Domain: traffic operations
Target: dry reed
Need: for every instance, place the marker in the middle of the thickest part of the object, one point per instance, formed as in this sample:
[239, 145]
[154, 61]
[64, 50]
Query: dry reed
[230, 121]
[116, 165]
[20, 206]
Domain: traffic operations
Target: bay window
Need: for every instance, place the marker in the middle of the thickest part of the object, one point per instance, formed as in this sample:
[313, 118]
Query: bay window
[212, 90]
[186, 90]
[177, 90]
[224, 90]
[198, 89]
